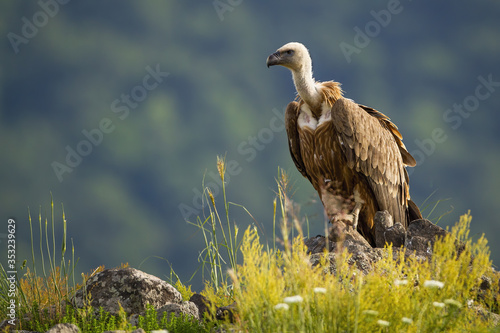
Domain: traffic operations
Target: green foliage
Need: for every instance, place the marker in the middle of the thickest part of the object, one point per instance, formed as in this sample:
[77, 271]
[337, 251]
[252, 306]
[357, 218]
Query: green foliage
[149, 321]
[277, 290]
[185, 291]
[182, 324]
[43, 301]
[280, 291]
[40, 298]
[88, 320]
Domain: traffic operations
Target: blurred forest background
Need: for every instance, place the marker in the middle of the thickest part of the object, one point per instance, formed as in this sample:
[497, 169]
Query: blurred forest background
[171, 85]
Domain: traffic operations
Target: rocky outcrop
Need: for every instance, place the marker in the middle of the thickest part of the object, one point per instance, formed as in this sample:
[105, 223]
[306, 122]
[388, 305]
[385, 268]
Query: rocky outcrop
[416, 241]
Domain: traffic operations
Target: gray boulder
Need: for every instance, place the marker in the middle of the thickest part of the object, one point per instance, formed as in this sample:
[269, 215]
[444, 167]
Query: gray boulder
[129, 288]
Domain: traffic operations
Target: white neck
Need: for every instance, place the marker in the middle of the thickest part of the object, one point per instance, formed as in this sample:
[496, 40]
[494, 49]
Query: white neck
[306, 86]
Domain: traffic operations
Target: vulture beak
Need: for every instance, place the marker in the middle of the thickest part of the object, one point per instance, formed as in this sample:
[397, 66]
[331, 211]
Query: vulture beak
[273, 59]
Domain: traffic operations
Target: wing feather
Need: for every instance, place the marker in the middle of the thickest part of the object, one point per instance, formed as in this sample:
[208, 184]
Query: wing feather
[386, 123]
[373, 146]
[291, 120]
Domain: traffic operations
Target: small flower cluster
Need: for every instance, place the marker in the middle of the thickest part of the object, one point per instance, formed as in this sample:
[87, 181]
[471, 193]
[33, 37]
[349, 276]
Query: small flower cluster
[288, 300]
[398, 282]
[296, 299]
[433, 284]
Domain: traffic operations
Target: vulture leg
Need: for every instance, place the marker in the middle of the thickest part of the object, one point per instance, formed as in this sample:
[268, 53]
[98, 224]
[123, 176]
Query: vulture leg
[355, 215]
[357, 207]
[333, 203]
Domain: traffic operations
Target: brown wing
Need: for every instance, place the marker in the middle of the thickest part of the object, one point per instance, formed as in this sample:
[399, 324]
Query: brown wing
[373, 147]
[291, 116]
[386, 123]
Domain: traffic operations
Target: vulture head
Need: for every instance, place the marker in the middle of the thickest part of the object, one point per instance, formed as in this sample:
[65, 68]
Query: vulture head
[296, 58]
[293, 56]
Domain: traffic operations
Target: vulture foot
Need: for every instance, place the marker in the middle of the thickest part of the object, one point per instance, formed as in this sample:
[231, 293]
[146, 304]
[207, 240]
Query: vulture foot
[351, 219]
[344, 235]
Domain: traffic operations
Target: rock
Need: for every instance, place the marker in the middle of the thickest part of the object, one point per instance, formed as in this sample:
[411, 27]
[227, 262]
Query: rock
[128, 287]
[420, 245]
[64, 328]
[315, 244]
[227, 313]
[205, 309]
[388, 232]
[417, 241]
[383, 221]
[185, 308]
[422, 234]
[204, 306]
[395, 235]
[361, 257]
[426, 229]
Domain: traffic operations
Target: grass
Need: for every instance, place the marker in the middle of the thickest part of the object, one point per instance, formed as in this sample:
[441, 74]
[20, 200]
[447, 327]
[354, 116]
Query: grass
[220, 237]
[275, 287]
[432, 206]
[40, 297]
[277, 290]
[43, 290]
[280, 291]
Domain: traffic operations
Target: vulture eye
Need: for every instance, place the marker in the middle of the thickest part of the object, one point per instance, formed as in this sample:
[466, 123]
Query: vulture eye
[289, 52]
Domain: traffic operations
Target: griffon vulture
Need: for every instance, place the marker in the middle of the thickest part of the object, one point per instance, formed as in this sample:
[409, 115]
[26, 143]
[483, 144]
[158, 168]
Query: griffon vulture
[352, 154]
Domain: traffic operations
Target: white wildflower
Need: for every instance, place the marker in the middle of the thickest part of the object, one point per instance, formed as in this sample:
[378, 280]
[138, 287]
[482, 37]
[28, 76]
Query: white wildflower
[433, 284]
[438, 304]
[293, 299]
[319, 290]
[398, 282]
[281, 306]
[453, 302]
[470, 303]
[407, 320]
[383, 322]
[370, 312]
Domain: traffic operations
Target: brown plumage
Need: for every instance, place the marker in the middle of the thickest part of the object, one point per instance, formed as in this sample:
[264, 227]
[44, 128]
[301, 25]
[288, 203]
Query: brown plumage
[353, 155]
